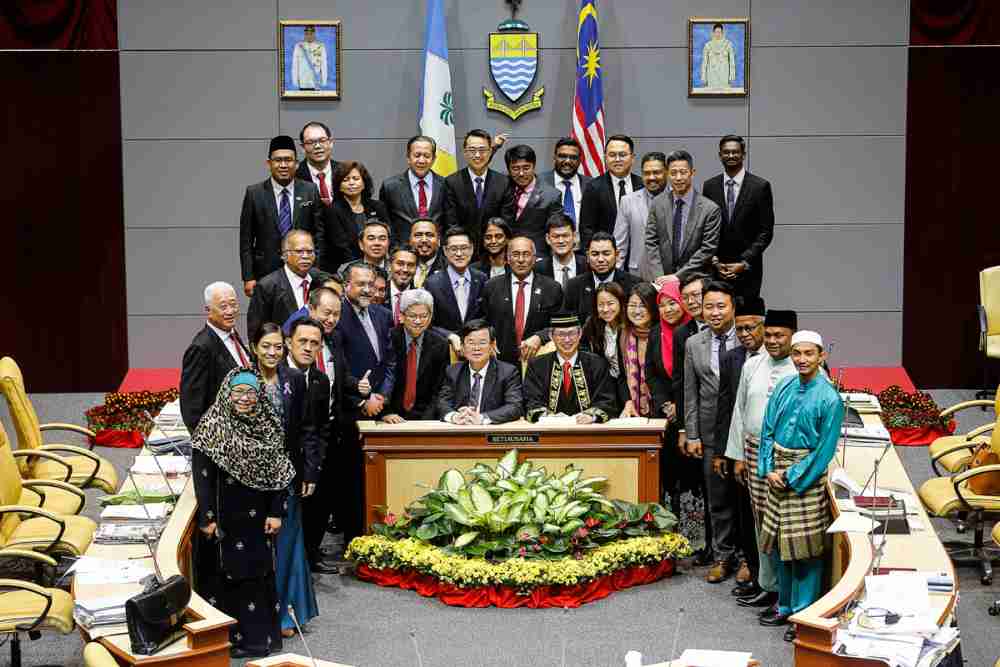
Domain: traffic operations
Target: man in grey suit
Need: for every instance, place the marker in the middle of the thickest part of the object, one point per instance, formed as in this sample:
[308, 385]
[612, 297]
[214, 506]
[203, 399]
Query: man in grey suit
[682, 233]
[566, 176]
[416, 194]
[702, 353]
[633, 213]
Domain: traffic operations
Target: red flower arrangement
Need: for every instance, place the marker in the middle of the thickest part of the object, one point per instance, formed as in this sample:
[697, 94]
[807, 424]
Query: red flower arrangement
[912, 418]
[126, 416]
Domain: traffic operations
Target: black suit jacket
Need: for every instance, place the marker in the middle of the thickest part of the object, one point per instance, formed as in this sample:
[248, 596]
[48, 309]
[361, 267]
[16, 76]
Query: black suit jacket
[401, 206]
[749, 233]
[206, 362]
[344, 396]
[501, 399]
[498, 308]
[681, 334]
[260, 240]
[579, 293]
[447, 316]
[302, 171]
[730, 367]
[660, 382]
[546, 266]
[542, 204]
[300, 415]
[460, 208]
[341, 232]
[599, 206]
[358, 349]
[273, 300]
[434, 358]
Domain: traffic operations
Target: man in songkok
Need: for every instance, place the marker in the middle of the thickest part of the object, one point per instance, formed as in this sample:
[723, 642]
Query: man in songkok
[761, 373]
[569, 382]
[797, 442]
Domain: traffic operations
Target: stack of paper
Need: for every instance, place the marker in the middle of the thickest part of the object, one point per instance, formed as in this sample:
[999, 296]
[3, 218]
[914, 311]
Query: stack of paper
[869, 434]
[103, 611]
[863, 403]
[142, 512]
[108, 571]
[171, 465]
[131, 532]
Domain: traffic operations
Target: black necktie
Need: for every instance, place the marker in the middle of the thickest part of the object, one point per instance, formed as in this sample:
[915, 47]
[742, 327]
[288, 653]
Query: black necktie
[722, 338]
[678, 230]
[730, 198]
[621, 189]
[476, 388]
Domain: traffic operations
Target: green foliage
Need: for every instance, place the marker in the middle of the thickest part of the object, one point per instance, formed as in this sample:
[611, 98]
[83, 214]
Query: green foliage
[517, 510]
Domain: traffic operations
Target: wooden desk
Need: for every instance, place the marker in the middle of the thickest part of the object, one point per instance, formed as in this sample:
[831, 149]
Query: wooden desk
[399, 457]
[817, 624]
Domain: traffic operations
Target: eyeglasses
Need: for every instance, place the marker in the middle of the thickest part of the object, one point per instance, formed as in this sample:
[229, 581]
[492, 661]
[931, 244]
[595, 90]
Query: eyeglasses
[302, 253]
[458, 249]
[747, 328]
[309, 143]
[477, 151]
[244, 394]
[619, 156]
[566, 334]
[283, 160]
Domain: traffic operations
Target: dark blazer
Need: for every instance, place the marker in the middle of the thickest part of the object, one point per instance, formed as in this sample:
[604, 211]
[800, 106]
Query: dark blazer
[621, 382]
[681, 334]
[273, 300]
[542, 203]
[397, 196]
[601, 386]
[578, 297]
[484, 266]
[546, 265]
[599, 206]
[501, 399]
[498, 309]
[358, 350]
[206, 362]
[749, 233]
[260, 240]
[302, 171]
[699, 240]
[660, 382]
[434, 358]
[437, 266]
[460, 208]
[730, 367]
[341, 233]
[447, 316]
[344, 396]
[300, 415]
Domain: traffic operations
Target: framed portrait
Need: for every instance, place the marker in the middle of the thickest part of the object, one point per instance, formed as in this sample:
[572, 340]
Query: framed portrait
[309, 60]
[718, 53]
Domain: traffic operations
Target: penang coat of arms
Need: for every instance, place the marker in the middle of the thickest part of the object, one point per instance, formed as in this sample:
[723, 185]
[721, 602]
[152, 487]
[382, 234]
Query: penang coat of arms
[513, 64]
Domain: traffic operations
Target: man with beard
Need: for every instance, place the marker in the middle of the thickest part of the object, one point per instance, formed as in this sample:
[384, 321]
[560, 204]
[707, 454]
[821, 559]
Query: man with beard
[602, 257]
[599, 208]
[402, 267]
[633, 213]
[562, 264]
[566, 177]
[527, 204]
[425, 240]
[475, 194]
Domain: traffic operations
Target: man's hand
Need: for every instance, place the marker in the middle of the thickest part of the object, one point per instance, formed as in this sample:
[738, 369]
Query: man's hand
[500, 140]
[740, 471]
[248, 286]
[374, 405]
[719, 466]
[364, 385]
[731, 271]
[208, 530]
[393, 419]
[775, 480]
[682, 443]
[272, 525]
[308, 488]
[529, 347]
[456, 344]
[583, 418]
[629, 410]
[664, 279]
[669, 410]
[694, 448]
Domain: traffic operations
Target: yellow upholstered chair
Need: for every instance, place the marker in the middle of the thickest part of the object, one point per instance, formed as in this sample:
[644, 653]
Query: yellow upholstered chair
[952, 453]
[74, 465]
[989, 322]
[49, 494]
[32, 608]
[95, 655]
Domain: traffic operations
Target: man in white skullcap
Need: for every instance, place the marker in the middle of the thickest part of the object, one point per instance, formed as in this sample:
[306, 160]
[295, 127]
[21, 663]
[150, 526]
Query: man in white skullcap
[797, 442]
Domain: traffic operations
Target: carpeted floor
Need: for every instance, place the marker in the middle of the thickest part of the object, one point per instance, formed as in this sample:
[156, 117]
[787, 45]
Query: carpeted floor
[364, 625]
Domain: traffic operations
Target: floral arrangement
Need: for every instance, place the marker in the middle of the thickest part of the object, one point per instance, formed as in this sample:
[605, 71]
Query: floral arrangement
[902, 409]
[129, 411]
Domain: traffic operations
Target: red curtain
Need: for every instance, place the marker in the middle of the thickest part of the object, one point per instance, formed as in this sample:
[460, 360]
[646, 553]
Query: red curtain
[947, 22]
[59, 24]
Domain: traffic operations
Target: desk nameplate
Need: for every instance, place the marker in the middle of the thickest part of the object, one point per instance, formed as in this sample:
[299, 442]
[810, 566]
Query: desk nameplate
[512, 439]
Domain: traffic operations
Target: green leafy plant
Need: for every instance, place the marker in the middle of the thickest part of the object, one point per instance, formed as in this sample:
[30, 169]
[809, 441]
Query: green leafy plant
[519, 510]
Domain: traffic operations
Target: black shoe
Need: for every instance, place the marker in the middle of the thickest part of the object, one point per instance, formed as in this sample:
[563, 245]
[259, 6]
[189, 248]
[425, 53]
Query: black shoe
[319, 567]
[790, 634]
[703, 557]
[239, 652]
[747, 590]
[769, 611]
[762, 599]
[774, 620]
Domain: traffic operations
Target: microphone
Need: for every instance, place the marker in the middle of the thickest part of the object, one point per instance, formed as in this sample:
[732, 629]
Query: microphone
[295, 620]
[677, 631]
[416, 648]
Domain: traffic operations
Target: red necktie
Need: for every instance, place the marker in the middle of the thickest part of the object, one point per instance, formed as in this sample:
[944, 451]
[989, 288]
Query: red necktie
[410, 393]
[567, 380]
[519, 312]
[239, 349]
[422, 202]
[324, 192]
[305, 292]
[395, 309]
[320, 363]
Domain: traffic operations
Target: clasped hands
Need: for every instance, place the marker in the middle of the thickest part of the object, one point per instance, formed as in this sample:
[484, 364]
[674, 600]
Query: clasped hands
[729, 271]
[467, 416]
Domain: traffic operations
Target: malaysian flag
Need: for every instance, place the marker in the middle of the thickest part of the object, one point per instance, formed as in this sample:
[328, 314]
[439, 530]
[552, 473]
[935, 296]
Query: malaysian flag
[588, 103]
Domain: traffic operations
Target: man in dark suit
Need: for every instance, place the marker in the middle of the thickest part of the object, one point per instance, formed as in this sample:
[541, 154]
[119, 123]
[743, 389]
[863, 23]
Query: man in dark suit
[425, 238]
[364, 328]
[747, 206]
[318, 165]
[456, 290]
[583, 387]
[599, 207]
[421, 357]
[683, 229]
[282, 292]
[527, 204]
[475, 194]
[561, 264]
[480, 390]
[215, 350]
[417, 193]
[520, 304]
[273, 208]
[566, 177]
[602, 257]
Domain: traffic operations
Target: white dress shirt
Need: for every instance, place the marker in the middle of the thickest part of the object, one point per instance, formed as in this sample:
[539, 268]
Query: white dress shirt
[472, 383]
[558, 273]
[428, 187]
[227, 340]
[327, 176]
[760, 375]
[738, 178]
[529, 279]
[574, 186]
[628, 184]
[296, 283]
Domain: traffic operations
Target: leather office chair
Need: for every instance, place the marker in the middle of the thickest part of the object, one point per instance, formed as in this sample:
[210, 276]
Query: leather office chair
[989, 323]
[50, 461]
[994, 608]
[49, 494]
[95, 655]
[952, 453]
[29, 607]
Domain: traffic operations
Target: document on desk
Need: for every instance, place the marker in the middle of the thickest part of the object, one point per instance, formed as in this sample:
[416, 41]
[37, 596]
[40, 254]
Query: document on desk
[692, 657]
[852, 522]
[559, 419]
[146, 512]
[629, 421]
[901, 592]
[875, 431]
[90, 570]
[171, 465]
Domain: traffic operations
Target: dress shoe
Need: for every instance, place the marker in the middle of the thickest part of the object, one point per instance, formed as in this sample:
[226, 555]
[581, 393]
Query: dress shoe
[719, 572]
[240, 653]
[703, 557]
[319, 567]
[743, 573]
[774, 620]
[790, 634]
[769, 611]
[762, 599]
[746, 590]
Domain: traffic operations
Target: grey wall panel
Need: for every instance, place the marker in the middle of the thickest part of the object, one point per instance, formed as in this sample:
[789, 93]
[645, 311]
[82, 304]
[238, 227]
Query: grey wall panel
[160, 341]
[832, 179]
[196, 24]
[169, 268]
[829, 90]
[190, 183]
[860, 339]
[835, 267]
[793, 22]
[206, 94]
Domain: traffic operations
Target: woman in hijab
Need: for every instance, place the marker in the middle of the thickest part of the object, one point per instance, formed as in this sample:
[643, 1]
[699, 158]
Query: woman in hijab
[641, 316]
[241, 475]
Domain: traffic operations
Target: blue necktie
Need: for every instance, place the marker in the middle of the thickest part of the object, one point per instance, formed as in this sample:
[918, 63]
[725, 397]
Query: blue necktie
[678, 230]
[569, 206]
[284, 214]
[479, 191]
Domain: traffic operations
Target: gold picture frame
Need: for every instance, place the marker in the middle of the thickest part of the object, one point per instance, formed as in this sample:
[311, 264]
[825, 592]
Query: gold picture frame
[309, 55]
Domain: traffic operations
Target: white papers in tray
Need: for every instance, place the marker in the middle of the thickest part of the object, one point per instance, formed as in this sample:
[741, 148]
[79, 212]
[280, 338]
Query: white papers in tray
[106, 571]
[852, 522]
[149, 511]
[557, 420]
[692, 657]
[171, 464]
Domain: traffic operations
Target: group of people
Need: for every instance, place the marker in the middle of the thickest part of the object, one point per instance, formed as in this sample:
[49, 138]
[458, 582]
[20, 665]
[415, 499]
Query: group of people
[618, 296]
